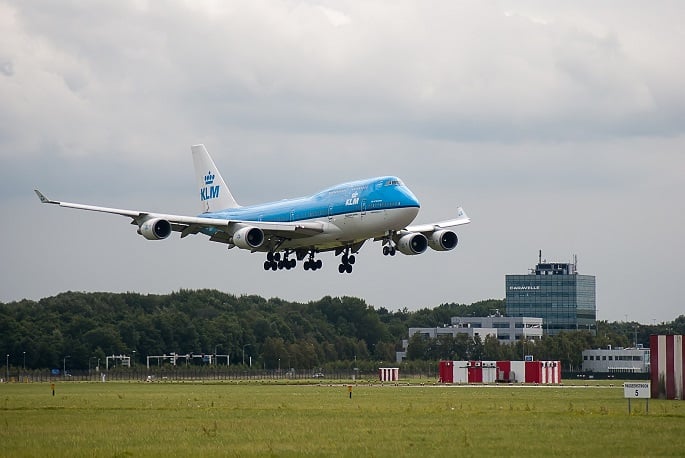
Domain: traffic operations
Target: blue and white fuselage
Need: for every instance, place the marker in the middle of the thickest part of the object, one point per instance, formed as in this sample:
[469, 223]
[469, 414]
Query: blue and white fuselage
[340, 218]
[349, 213]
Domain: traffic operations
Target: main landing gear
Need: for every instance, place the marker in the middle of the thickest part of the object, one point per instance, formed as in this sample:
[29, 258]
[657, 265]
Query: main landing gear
[311, 263]
[346, 262]
[388, 247]
[274, 261]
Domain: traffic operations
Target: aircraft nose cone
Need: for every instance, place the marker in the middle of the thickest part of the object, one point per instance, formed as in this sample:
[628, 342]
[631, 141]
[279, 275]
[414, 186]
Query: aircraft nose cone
[410, 198]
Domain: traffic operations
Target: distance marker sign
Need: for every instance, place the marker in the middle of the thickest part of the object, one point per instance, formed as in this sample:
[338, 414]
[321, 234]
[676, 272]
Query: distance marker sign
[637, 390]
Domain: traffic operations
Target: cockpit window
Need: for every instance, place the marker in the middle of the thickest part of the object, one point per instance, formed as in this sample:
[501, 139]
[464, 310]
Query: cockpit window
[393, 182]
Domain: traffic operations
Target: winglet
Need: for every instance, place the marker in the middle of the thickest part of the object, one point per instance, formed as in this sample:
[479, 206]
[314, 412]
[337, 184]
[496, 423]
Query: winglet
[44, 199]
[461, 215]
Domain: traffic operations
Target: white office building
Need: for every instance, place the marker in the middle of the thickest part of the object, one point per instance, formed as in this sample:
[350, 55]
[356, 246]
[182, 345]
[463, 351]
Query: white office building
[508, 329]
[617, 360]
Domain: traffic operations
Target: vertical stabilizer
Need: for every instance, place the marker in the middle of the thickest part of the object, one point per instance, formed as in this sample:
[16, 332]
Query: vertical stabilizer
[213, 191]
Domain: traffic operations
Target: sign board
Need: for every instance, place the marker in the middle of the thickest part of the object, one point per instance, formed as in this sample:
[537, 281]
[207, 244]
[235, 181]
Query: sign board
[637, 390]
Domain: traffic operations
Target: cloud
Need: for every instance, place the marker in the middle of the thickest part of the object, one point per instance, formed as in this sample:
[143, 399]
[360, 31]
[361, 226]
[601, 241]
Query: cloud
[462, 72]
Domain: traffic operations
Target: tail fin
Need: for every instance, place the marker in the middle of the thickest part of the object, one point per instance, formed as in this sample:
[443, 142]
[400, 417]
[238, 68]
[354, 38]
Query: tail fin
[214, 194]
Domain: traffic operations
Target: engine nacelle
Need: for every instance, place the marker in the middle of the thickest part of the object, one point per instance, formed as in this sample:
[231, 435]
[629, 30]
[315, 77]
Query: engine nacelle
[443, 240]
[412, 243]
[248, 238]
[155, 229]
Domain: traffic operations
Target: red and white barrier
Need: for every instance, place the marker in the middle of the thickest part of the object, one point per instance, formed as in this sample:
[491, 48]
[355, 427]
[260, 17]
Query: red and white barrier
[667, 359]
[543, 372]
[389, 374]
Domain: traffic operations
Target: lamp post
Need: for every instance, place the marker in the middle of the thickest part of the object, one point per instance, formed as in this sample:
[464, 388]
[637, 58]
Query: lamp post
[246, 345]
[134, 358]
[215, 348]
[7, 368]
[64, 366]
[24, 366]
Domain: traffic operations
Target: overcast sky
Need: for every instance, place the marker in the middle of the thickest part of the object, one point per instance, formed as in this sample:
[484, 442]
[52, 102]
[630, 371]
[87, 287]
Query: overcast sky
[559, 128]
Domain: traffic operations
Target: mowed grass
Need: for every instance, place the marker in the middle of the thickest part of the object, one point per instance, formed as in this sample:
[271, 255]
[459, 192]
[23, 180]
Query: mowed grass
[257, 419]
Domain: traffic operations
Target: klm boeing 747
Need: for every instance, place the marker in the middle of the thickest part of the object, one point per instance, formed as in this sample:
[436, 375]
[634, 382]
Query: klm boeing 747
[340, 219]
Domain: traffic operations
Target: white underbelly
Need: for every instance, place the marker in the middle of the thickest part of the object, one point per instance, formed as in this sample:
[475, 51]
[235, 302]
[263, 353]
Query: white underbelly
[355, 227]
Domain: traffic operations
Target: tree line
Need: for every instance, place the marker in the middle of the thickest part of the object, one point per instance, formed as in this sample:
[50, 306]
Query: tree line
[83, 327]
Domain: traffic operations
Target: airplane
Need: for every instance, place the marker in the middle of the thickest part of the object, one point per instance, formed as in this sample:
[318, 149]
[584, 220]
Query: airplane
[340, 219]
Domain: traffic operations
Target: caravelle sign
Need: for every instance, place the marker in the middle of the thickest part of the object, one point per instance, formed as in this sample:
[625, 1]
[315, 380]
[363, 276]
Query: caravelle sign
[525, 288]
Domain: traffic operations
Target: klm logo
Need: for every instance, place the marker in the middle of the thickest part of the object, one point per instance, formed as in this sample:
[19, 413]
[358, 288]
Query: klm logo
[354, 200]
[209, 191]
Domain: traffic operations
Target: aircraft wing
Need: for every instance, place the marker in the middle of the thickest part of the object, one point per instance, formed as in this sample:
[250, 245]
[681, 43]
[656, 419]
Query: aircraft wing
[462, 218]
[188, 225]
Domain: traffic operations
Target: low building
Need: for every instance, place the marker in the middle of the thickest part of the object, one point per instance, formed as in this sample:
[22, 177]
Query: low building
[505, 329]
[617, 360]
[509, 329]
[434, 333]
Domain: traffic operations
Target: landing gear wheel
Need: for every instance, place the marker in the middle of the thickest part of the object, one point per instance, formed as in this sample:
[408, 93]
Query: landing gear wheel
[347, 260]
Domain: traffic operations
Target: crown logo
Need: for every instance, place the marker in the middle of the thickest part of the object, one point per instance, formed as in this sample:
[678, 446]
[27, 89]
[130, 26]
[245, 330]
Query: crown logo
[209, 178]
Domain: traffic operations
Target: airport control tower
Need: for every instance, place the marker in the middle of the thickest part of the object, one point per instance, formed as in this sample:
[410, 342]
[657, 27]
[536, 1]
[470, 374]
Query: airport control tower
[555, 292]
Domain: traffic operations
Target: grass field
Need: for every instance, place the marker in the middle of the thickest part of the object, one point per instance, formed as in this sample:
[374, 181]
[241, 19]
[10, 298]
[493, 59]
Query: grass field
[257, 419]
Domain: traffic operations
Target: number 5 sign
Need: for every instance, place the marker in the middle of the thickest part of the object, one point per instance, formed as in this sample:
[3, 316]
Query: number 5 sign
[637, 390]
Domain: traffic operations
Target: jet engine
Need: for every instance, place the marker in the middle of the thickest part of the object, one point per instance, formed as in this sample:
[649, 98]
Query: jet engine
[248, 238]
[155, 229]
[412, 243]
[443, 240]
